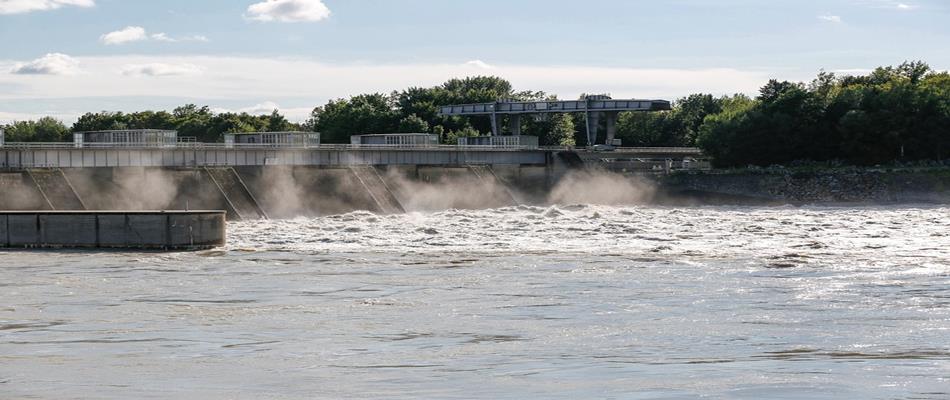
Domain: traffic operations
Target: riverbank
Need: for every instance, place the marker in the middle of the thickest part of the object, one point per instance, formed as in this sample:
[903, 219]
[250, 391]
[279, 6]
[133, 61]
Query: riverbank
[816, 185]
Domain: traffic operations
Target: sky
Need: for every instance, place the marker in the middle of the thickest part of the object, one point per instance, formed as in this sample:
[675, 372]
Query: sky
[66, 57]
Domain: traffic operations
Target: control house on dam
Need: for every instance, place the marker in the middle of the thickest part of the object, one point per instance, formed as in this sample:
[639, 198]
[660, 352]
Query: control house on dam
[284, 174]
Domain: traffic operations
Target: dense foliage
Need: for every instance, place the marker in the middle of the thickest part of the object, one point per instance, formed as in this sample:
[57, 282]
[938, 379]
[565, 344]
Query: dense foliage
[45, 129]
[189, 120]
[891, 114]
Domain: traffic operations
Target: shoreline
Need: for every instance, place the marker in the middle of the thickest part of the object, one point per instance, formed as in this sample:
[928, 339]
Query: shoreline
[834, 186]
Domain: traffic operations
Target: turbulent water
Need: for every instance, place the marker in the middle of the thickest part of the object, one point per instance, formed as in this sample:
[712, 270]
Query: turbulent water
[521, 302]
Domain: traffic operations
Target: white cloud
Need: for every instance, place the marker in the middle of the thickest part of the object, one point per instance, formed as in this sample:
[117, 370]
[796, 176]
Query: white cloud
[479, 64]
[291, 113]
[852, 71]
[25, 6]
[125, 35]
[50, 64]
[297, 85]
[830, 18]
[262, 108]
[138, 34]
[306, 82]
[889, 5]
[163, 37]
[67, 116]
[288, 11]
[161, 69]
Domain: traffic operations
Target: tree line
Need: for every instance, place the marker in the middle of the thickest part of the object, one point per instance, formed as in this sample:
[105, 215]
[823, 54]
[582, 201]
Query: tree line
[189, 120]
[891, 114]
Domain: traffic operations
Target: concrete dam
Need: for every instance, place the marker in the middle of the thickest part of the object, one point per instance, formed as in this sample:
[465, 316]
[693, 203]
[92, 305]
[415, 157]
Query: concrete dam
[257, 192]
[262, 175]
[255, 182]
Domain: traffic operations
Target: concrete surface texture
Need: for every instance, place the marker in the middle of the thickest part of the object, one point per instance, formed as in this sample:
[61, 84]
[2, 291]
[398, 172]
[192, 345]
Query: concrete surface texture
[160, 230]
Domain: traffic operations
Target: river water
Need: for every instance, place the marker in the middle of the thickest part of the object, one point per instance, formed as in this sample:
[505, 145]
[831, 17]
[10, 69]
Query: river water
[522, 302]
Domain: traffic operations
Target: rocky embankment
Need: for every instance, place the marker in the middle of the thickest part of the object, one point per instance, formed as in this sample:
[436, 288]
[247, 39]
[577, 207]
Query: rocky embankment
[871, 185]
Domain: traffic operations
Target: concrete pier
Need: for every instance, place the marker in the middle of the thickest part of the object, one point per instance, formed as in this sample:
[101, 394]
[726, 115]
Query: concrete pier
[159, 230]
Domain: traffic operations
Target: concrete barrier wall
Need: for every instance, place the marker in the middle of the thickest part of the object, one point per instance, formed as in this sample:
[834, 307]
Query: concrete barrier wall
[166, 230]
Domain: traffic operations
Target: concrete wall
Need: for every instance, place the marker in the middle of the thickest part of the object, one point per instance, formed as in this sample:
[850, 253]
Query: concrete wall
[290, 191]
[130, 230]
[180, 157]
[18, 192]
[140, 188]
[285, 192]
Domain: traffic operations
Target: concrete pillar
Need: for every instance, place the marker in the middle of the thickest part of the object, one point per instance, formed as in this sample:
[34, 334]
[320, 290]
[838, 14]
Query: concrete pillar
[587, 126]
[611, 126]
[593, 123]
[514, 123]
[495, 124]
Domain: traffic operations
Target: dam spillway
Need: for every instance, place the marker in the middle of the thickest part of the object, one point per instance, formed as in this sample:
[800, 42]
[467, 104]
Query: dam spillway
[261, 192]
[260, 182]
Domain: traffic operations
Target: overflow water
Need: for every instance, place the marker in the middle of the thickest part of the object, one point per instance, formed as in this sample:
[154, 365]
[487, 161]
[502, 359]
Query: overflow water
[566, 302]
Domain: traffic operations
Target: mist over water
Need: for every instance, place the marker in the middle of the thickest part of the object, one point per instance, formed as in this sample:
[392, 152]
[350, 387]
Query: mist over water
[601, 187]
[565, 301]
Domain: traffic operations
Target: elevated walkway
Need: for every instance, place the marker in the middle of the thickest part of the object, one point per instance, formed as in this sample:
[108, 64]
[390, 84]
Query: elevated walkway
[57, 192]
[240, 201]
[378, 190]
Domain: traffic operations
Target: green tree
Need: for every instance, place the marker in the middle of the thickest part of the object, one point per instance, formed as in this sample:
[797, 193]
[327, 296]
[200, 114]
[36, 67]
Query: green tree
[452, 136]
[677, 127]
[101, 121]
[718, 135]
[150, 120]
[362, 114]
[46, 129]
[413, 124]
[561, 131]
[277, 122]
[891, 114]
[193, 121]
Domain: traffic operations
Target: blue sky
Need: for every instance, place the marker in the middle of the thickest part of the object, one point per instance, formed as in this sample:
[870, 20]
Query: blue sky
[64, 57]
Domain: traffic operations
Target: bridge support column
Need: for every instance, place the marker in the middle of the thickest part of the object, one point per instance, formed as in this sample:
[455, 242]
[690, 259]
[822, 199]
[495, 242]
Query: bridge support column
[496, 124]
[611, 127]
[514, 124]
[593, 125]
